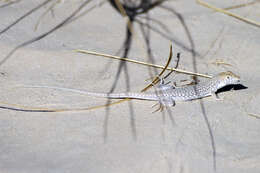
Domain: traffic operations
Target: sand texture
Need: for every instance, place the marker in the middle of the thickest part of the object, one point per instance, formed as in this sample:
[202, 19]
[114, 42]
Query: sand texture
[192, 137]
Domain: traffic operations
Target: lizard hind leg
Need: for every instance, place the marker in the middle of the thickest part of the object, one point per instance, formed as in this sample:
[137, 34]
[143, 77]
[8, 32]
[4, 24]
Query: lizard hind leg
[167, 101]
[164, 102]
[160, 108]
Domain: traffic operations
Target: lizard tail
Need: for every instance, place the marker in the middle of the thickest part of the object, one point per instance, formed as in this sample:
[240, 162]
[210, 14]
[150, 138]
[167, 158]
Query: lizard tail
[141, 96]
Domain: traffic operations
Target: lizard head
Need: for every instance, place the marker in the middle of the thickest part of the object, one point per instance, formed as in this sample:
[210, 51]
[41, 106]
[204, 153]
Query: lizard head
[227, 78]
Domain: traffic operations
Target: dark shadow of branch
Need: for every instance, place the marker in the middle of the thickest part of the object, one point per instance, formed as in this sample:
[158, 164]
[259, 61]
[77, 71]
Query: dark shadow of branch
[132, 12]
[202, 106]
[146, 34]
[25, 15]
[46, 33]
[9, 3]
[122, 66]
[166, 36]
[25, 110]
[193, 52]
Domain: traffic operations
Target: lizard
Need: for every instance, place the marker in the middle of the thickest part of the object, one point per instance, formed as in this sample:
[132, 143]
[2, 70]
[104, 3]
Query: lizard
[166, 94]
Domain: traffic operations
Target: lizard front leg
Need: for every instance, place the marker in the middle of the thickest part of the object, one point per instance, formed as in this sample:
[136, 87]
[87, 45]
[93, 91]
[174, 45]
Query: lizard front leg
[216, 96]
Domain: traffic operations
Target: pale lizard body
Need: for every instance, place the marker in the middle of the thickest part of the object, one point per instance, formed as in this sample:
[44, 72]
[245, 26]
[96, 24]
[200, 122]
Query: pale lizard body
[168, 94]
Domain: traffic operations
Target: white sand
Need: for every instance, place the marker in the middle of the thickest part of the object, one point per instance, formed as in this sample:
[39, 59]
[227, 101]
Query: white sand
[127, 137]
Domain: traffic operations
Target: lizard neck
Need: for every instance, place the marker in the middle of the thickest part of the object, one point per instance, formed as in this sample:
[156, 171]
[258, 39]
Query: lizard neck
[214, 85]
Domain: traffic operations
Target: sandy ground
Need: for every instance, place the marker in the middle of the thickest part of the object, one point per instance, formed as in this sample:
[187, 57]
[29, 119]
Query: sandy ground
[128, 137]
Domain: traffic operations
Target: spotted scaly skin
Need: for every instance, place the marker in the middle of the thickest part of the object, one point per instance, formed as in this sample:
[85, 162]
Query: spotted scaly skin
[203, 89]
[168, 94]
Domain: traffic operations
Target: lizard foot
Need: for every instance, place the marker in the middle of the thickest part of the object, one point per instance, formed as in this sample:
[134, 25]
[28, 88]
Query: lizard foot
[216, 97]
[167, 101]
[164, 102]
[160, 108]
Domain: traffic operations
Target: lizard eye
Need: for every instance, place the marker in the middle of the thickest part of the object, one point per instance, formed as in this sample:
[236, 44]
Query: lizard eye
[228, 77]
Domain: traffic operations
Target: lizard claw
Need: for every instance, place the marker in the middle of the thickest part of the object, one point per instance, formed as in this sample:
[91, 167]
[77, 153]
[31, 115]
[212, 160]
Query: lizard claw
[155, 105]
[216, 97]
[160, 108]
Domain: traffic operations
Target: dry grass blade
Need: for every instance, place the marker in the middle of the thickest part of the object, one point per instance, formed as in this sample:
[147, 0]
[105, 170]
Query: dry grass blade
[32, 109]
[176, 66]
[242, 5]
[146, 88]
[157, 78]
[252, 22]
[254, 115]
[142, 63]
[219, 62]
[121, 8]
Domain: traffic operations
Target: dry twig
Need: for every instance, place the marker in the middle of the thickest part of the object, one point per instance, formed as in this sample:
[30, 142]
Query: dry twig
[249, 21]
